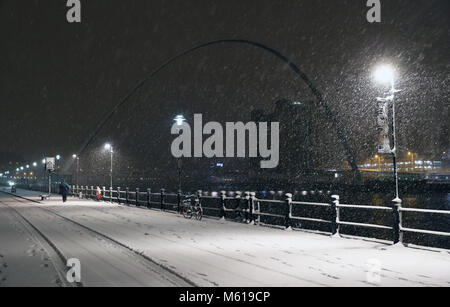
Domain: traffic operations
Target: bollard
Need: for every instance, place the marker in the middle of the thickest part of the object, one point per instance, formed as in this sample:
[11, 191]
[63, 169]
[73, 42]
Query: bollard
[149, 199]
[397, 220]
[118, 195]
[127, 195]
[222, 204]
[334, 219]
[163, 195]
[288, 212]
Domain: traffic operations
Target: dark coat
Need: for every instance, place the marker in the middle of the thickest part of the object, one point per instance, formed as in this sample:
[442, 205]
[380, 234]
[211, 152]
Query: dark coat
[64, 189]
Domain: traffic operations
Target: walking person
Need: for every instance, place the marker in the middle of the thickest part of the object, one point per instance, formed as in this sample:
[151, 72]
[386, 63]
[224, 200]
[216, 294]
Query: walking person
[99, 194]
[64, 190]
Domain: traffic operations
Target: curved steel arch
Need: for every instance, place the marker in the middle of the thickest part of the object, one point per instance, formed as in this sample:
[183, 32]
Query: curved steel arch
[320, 101]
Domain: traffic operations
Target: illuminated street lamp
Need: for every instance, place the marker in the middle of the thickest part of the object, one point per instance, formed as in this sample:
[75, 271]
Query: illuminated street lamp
[74, 156]
[411, 154]
[109, 148]
[379, 162]
[386, 74]
[179, 120]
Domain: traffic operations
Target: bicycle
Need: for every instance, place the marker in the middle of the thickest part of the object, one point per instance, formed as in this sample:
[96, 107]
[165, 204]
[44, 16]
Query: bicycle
[190, 210]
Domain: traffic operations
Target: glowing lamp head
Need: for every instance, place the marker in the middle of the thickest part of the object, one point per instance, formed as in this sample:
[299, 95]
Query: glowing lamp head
[74, 156]
[108, 146]
[179, 120]
[58, 157]
[34, 164]
[384, 74]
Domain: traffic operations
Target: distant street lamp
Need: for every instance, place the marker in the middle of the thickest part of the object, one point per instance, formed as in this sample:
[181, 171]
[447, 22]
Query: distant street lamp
[58, 157]
[74, 156]
[179, 120]
[379, 162]
[385, 74]
[109, 148]
[413, 164]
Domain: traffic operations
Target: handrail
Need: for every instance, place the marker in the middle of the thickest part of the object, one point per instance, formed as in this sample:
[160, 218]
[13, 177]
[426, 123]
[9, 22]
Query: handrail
[250, 205]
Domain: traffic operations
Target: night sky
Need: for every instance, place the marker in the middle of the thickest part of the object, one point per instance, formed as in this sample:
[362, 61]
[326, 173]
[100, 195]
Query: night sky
[58, 80]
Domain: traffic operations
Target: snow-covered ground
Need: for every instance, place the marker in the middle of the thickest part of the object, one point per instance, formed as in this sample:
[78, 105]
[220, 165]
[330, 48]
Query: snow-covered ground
[221, 253]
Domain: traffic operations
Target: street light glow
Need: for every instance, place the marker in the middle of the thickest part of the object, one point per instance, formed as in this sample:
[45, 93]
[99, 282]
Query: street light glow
[108, 146]
[179, 119]
[58, 157]
[384, 74]
[74, 156]
[34, 164]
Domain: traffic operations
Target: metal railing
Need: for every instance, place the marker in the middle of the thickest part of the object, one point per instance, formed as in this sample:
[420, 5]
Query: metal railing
[248, 208]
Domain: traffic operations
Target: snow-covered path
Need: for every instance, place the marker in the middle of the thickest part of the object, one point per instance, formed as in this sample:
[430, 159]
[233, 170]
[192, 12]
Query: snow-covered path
[221, 253]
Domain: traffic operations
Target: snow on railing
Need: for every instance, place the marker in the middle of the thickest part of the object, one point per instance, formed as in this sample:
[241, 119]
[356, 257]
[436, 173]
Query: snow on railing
[248, 208]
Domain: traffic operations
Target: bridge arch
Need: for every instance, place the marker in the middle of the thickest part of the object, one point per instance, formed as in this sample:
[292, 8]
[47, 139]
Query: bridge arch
[319, 98]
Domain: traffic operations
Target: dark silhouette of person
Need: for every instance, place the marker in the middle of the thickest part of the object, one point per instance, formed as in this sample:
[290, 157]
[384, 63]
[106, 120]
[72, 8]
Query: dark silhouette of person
[64, 190]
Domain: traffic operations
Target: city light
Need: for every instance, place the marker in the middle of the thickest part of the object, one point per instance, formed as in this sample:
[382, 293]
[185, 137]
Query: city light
[34, 164]
[179, 119]
[384, 74]
[58, 157]
[108, 146]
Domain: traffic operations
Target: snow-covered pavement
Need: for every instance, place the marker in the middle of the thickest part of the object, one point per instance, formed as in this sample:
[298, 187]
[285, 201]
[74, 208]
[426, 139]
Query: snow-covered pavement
[221, 253]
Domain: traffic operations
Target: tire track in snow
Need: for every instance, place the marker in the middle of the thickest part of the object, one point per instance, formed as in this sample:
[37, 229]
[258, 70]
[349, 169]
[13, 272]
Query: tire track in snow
[179, 279]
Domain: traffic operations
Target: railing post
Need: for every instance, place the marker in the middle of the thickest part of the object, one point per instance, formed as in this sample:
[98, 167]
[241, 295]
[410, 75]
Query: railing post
[247, 206]
[288, 213]
[222, 204]
[397, 219]
[238, 200]
[110, 194]
[163, 195]
[92, 194]
[199, 197]
[335, 215]
[137, 197]
[149, 195]
[252, 207]
[127, 195]
[118, 195]
[179, 201]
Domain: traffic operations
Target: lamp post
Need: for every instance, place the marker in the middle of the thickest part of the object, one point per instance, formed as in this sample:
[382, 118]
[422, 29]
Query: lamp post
[78, 166]
[58, 157]
[179, 120]
[109, 147]
[411, 154]
[385, 74]
[379, 162]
